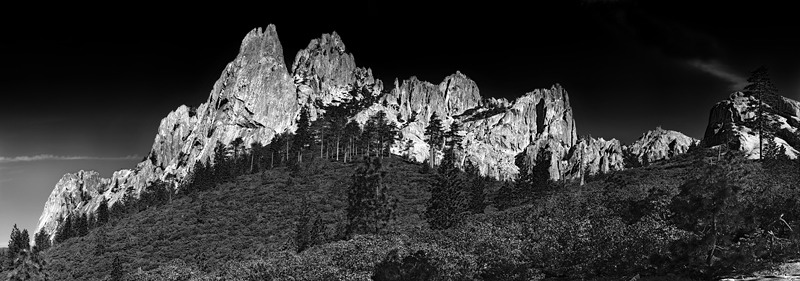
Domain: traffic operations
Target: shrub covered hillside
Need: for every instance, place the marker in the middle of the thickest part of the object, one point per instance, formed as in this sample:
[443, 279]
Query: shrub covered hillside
[700, 216]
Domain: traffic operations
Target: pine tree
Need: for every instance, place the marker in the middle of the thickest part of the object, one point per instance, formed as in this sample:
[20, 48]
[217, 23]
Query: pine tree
[433, 136]
[387, 133]
[222, 171]
[761, 85]
[352, 132]
[82, 226]
[370, 208]
[62, 231]
[102, 212]
[477, 184]
[116, 269]
[308, 232]
[24, 240]
[14, 245]
[448, 202]
[42, 240]
[236, 162]
[454, 137]
[303, 136]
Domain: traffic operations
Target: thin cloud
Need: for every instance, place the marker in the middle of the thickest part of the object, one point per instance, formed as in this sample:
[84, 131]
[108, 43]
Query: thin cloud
[43, 157]
[737, 82]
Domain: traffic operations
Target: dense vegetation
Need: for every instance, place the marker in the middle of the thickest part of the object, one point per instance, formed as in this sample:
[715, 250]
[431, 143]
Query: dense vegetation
[699, 216]
[330, 203]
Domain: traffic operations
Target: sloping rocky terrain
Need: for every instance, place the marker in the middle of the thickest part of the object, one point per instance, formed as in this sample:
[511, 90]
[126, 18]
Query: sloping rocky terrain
[257, 97]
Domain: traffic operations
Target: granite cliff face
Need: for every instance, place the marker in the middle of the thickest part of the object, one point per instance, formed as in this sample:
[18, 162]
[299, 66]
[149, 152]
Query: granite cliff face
[734, 122]
[254, 98]
[325, 73]
[658, 144]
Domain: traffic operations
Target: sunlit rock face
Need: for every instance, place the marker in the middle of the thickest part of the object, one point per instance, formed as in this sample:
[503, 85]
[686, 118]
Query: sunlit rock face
[659, 144]
[734, 122]
[325, 73]
[541, 119]
[254, 98]
[592, 156]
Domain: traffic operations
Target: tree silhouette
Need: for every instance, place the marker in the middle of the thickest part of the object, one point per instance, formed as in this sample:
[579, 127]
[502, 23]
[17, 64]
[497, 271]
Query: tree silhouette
[238, 148]
[477, 184]
[42, 240]
[14, 244]
[102, 212]
[370, 208]
[116, 269]
[351, 131]
[433, 136]
[386, 132]
[64, 230]
[761, 85]
[303, 136]
[448, 202]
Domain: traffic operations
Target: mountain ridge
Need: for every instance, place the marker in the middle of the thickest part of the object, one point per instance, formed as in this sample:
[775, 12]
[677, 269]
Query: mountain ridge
[256, 98]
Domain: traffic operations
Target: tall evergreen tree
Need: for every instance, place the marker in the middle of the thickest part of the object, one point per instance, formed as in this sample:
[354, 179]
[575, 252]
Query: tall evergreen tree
[352, 131]
[81, 225]
[237, 145]
[370, 207]
[42, 240]
[116, 269]
[761, 85]
[222, 171]
[477, 184]
[386, 132]
[303, 136]
[433, 136]
[14, 245]
[24, 240]
[102, 212]
[448, 201]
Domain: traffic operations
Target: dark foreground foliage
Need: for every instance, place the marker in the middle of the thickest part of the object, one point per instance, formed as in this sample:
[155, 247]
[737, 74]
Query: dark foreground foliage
[699, 216]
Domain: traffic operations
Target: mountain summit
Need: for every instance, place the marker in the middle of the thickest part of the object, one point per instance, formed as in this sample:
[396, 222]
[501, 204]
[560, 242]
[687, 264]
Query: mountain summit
[256, 98]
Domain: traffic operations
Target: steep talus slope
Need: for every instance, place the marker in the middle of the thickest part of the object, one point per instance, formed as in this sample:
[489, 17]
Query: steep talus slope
[659, 144]
[254, 98]
[734, 122]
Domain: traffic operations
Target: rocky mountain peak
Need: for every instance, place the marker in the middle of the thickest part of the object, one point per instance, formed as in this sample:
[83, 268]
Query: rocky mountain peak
[658, 144]
[254, 99]
[733, 122]
[325, 72]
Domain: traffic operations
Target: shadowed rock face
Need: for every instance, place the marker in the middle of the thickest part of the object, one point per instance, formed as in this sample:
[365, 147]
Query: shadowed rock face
[254, 98]
[734, 122]
[659, 144]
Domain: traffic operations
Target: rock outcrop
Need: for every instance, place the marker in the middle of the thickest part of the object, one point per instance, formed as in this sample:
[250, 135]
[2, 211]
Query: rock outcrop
[734, 122]
[656, 145]
[254, 98]
[592, 156]
[325, 73]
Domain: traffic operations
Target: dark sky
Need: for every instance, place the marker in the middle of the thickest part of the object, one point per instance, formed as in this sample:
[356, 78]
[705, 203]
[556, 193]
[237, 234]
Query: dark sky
[95, 85]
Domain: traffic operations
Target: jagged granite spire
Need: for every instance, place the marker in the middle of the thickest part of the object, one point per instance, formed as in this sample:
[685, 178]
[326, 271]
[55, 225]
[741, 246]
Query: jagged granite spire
[254, 98]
